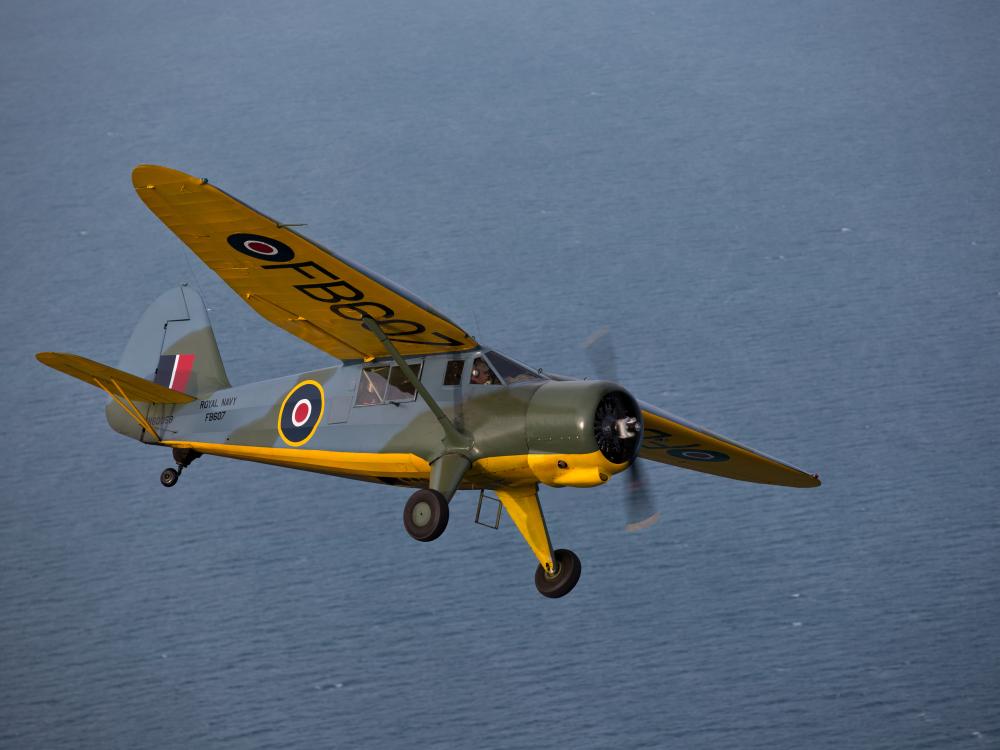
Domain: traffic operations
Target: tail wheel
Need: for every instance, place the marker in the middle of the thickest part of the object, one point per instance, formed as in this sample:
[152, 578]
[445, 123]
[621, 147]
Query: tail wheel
[169, 477]
[426, 515]
[563, 580]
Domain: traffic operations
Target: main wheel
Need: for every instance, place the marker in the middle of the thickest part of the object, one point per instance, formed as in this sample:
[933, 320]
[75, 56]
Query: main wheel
[563, 580]
[426, 515]
[169, 477]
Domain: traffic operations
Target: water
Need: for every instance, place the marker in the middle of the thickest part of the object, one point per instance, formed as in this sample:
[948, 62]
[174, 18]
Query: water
[787, 211]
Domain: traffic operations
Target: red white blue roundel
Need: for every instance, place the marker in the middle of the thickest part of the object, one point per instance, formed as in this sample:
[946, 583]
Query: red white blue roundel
[698, 454]
[260, 247]
[300, 413]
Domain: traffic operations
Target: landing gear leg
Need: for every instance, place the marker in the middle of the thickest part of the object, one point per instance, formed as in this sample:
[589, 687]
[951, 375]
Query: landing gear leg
[183, 457]
[558, 571]
[447, 473]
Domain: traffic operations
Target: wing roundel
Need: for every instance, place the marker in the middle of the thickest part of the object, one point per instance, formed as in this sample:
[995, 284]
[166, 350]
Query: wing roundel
[290, 280]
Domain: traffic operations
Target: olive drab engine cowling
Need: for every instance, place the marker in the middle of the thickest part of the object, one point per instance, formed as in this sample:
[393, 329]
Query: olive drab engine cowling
[580, 433]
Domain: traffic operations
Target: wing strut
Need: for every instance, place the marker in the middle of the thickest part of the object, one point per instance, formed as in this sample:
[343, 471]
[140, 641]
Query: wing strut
[129, 407]
[521, 504]
[454, 440]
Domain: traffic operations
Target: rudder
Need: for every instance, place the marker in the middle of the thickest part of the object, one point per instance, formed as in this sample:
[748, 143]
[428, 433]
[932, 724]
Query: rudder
[176, 325]
[173, 345]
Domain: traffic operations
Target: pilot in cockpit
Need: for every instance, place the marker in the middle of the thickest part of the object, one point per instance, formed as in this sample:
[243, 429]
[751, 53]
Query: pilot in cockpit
[482, 373]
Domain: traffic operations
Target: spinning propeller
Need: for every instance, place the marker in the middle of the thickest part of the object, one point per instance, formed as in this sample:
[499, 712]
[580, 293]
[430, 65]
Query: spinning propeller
[640, 511]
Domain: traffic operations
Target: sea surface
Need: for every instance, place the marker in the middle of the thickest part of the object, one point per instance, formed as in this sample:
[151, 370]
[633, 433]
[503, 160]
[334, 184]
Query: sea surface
[788, 213]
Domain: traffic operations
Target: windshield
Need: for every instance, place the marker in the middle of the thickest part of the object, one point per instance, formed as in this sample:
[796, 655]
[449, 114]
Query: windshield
[511, 371]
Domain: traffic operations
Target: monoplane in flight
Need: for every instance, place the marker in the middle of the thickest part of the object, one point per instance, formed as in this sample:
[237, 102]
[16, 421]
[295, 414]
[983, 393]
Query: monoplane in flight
[415, 400]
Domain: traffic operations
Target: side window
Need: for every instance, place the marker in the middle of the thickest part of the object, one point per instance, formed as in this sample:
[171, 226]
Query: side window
[382, 384]
[482, 373]
[453, 372]
[401, 389]
[371, 389]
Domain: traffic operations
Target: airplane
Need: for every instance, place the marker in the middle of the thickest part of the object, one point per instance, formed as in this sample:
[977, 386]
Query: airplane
[415, 401]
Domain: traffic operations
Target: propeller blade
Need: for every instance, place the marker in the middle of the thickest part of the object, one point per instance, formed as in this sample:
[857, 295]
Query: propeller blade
[640, 511]
[601, 353]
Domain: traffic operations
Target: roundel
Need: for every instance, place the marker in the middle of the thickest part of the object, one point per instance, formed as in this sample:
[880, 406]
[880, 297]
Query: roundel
[693, 454]
[300, 413]
[261, 247]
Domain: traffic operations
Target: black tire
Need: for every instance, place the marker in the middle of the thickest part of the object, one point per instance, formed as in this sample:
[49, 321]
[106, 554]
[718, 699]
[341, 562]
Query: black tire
[169, 477]
[426, 515]
[568, 570]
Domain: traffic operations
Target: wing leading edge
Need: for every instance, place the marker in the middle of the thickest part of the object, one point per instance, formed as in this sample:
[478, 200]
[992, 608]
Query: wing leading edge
[290, 280]
[671, 440]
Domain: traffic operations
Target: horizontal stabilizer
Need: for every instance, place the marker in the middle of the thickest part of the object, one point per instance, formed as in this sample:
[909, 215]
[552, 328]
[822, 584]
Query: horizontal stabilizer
[112, 380]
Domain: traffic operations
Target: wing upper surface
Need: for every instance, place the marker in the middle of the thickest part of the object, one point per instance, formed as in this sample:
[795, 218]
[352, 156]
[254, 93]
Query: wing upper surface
[290, 280]
[671, 440]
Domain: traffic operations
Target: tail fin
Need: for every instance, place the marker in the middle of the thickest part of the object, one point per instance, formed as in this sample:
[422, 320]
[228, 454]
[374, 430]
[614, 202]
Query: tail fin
[173, 345]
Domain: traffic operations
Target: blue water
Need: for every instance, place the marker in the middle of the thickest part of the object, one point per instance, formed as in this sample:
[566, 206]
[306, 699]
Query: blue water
[789, 212]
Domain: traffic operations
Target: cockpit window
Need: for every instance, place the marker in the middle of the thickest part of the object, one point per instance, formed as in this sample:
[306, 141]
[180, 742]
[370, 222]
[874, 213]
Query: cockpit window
[511, 371]
[453, 372]
[482, 373]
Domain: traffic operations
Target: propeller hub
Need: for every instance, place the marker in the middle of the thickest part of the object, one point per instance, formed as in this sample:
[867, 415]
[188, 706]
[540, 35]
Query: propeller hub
[618, 427]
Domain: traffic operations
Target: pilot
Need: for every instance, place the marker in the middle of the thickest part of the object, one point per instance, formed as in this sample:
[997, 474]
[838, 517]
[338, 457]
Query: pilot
[482, 374]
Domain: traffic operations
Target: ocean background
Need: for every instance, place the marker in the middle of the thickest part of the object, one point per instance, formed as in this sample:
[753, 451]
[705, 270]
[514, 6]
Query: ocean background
[789, 214]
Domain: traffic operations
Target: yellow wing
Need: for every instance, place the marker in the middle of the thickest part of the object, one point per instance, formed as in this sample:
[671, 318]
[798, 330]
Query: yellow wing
[290, 280]
[671, 440]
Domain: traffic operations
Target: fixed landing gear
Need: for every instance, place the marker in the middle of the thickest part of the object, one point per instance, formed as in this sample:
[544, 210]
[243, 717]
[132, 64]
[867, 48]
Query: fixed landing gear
[426, 515]
[169, 477]
[183, 457]
[563, 580]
